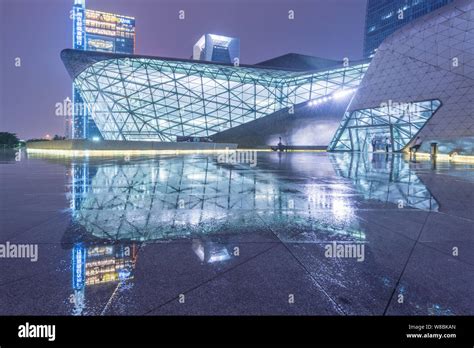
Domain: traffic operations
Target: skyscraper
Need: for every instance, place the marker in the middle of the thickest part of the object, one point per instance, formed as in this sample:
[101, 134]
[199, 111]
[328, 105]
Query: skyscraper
[384, 17]
[217, 48]
[97, 31]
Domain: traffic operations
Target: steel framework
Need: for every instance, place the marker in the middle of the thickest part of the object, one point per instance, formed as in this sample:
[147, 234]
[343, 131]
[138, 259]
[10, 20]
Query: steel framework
[134, 98]
[399, 121]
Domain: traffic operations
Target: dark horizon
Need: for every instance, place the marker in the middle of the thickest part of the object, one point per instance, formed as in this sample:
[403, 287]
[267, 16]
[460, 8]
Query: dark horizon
[28, 94]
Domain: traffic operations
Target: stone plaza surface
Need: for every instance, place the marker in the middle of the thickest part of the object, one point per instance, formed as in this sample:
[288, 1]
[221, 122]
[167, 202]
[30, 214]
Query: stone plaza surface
[187, 235]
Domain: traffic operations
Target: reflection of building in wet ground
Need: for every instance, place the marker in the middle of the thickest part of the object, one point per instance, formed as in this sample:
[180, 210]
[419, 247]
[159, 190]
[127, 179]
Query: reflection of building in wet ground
[169, 198]
[281, 232]
[109, 263]
[100, 264]
[385, 178]
[211, 252]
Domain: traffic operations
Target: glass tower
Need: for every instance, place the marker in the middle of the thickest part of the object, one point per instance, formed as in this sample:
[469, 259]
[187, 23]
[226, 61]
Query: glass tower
[97, 31]
[217, 48]
[386, 16]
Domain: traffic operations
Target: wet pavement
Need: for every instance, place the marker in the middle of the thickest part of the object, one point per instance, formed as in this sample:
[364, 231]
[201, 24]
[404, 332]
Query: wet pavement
[187, 235]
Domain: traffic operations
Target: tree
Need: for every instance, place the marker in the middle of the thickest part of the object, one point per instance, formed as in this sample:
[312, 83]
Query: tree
[8, 139]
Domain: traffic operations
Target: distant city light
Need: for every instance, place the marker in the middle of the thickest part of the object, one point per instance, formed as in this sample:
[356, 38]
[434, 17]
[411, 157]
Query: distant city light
[95, 139]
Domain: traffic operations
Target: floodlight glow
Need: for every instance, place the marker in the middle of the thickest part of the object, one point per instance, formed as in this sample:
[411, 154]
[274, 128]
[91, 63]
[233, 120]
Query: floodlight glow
[343, 93]
[319, 101]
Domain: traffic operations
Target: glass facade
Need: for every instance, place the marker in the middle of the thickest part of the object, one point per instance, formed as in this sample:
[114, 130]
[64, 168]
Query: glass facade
[103, 32]
[217, 48]
[397, 122]
[140, 98]
[386, 16]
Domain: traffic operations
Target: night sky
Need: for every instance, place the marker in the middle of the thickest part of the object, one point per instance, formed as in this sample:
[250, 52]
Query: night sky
[37, 31]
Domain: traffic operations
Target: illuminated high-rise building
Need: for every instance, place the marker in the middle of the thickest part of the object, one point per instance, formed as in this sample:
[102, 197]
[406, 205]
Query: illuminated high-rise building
[217, 48]
[384, 17]
[97, 31]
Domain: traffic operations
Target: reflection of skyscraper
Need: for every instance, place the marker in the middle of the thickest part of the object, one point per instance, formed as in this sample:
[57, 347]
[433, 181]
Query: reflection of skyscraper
[210, 252]
[110, 263]
[98, 264]
[97, 31]
[103, 263]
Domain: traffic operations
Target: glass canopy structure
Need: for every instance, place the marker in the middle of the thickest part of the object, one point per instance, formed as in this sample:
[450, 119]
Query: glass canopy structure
[158, 99]
[399, 122]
